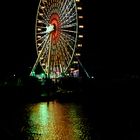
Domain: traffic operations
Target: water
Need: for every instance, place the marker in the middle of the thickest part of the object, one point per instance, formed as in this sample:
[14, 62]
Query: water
[55, 121]
[46, 120]
[96, 116]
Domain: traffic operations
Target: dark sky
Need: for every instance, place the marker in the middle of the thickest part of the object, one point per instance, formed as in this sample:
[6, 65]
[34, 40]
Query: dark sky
[17, 38]
[113, 40]
[110, 44]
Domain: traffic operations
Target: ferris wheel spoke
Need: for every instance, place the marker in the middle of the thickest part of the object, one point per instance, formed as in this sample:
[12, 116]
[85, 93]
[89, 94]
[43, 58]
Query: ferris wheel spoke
[39, 55]
[66, 52]
[54, 10]
[54, 54]
[46, 63]
[49, 12]
[69, 25]
[68, 37]
[61, 54]
[69, 31]
[57, 63]
[70, 46]
[59, 51]
[48, 57]
[67, 12]
[43, 18]
[43, 42]
[68, 22]
[49, 29]
[41, 27]
[42, 37]
[59, 7]
[43, 9]
[63, 6]
[54, 64]
[64, 48]
[49, 52]
[43, 3]
[69, 19]
[51, 67]
[57, 4]
[60, 66]
[66, 55]
[42, 33]
[65, 58]
[42, 22]
[66, 7]
[42, 15]
[67, 42]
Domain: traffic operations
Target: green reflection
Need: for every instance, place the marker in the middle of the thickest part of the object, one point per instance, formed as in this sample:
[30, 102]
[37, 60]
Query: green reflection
[40, 114]
[55, 121]
[38, 118]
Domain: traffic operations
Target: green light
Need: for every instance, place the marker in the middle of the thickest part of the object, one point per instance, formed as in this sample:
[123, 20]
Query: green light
[32, 73]
[42, 75]
[40, 116]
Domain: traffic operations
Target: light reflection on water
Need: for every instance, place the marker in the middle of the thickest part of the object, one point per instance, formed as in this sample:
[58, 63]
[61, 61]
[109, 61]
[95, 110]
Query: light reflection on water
[54, 121]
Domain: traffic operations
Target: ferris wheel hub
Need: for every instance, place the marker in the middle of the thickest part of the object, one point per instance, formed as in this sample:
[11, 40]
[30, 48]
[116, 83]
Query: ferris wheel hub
[49, 28]
[55, 21]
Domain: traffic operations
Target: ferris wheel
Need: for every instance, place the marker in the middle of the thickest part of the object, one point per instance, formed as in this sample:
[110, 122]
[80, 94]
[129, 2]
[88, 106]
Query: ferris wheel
[56, 35]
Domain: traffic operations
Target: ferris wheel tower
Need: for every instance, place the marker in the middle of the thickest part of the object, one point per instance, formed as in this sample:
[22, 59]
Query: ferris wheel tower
[57, 37]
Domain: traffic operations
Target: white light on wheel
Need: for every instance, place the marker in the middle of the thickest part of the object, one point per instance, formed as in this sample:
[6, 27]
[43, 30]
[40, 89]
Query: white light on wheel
[80, 36]
[79, 8]
[81, 26]
[79, 45]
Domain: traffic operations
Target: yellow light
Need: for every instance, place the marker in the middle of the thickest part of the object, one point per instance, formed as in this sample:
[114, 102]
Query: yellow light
[80, 17]
[71, 69]
[39, 29]
[41, 14]
[79, 8]
[80, 36]
[77, 0]
[79, 45]
[38, 36]
[41, 58]
[43, 64]
[75, 62]
[42, 7]
[81, 26]
[38, 44]
[39, 21]
[77, 54]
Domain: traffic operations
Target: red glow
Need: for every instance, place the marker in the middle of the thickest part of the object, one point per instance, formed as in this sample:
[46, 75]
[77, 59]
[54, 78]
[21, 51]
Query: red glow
[55, 20]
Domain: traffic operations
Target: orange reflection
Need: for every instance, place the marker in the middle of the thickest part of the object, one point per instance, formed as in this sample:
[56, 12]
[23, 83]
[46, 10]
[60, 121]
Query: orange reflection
[52, 121]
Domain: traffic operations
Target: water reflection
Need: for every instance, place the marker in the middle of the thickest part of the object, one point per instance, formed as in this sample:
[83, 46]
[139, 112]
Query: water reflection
[54, 121]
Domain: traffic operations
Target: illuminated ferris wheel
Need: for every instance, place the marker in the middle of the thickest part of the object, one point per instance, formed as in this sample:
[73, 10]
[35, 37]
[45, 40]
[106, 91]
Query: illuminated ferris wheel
[56, 36]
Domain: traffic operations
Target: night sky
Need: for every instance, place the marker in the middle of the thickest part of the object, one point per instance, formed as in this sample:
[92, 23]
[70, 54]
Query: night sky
[113, 40]
[110, 44]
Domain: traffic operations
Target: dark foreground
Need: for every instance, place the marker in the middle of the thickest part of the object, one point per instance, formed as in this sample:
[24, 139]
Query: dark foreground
[109, 110]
